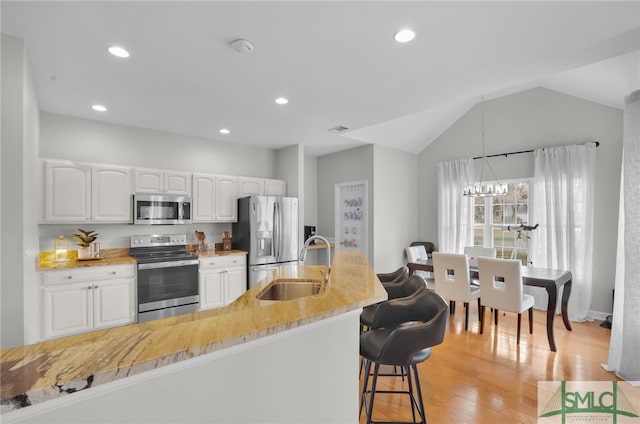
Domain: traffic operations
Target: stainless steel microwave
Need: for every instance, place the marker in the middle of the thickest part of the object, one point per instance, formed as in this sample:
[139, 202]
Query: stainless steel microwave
[161, 209]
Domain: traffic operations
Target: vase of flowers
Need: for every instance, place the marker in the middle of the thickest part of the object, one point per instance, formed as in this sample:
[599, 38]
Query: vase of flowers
[86, 241]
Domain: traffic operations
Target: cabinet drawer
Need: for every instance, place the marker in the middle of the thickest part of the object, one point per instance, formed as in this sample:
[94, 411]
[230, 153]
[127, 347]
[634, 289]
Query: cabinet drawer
[88, 274]
[223, 261]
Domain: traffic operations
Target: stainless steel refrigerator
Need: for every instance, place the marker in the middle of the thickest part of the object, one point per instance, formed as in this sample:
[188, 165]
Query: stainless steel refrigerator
[267, 228]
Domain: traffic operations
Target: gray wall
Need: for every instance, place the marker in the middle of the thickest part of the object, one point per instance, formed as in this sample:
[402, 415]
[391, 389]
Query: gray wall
[19, 177]
[86, 140]
[395, 210]
[532, 119]
[343, 167]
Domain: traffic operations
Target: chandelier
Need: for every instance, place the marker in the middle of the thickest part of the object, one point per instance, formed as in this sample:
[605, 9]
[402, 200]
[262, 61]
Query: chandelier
[480, 188]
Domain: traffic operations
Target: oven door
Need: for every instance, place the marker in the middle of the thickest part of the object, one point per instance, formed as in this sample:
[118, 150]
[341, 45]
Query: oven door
[167, 284]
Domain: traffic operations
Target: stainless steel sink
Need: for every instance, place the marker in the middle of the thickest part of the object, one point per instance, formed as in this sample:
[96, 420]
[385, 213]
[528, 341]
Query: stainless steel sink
[287, 289]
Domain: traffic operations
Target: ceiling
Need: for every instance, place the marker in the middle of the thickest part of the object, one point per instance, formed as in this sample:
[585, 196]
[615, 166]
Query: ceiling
[336, 62]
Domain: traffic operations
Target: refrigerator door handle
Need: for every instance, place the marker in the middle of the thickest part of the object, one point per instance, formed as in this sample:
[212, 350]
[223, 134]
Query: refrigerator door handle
[276, 231]
[279, 235]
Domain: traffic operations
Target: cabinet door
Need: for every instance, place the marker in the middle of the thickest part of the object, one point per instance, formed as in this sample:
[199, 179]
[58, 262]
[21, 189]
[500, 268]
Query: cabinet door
[248, 186]
[236, 283]
[114, 302]
[226, 198]
[211, 289]
[275, 188]
[110, 194]
[67, 309]
[148, 180]
[176, 182]
[67, 192]
[204, 190]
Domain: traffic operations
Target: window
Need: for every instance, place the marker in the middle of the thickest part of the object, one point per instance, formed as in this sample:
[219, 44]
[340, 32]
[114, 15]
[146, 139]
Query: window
[496, 219]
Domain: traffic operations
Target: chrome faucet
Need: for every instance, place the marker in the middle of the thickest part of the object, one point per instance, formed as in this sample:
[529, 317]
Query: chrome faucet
[303, 252]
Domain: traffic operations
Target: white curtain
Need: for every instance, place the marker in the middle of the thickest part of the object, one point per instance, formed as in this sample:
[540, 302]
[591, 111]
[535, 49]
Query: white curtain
[562, 203]
[625, 332]
[455, 211]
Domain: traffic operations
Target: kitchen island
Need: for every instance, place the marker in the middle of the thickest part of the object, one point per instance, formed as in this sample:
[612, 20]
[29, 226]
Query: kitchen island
[290, 342]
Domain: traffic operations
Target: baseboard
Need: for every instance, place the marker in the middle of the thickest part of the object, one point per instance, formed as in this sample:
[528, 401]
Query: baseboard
[598, 315]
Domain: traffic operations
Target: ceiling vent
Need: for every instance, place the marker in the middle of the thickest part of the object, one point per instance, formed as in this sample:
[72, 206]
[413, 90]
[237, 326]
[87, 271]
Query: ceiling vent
[338, 129]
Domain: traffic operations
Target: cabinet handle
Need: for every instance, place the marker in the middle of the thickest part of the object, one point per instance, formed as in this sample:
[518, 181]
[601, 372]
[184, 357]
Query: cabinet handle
[96, 286]
[69, 277]
[89, 288]
[113, 272]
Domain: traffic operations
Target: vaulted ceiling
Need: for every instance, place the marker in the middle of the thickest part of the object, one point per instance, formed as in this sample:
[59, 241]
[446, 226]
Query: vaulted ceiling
[336, 62]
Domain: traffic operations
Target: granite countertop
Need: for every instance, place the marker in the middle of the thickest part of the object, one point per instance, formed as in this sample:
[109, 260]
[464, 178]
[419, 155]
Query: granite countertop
[50, 369]
[107, 257]
[117, 256]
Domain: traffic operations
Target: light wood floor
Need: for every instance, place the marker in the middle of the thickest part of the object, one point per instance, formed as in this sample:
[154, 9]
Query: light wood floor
[487, 378]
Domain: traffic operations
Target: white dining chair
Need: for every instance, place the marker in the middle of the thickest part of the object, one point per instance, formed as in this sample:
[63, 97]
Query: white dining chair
[501, 288]
[453, 282]
[476, 252]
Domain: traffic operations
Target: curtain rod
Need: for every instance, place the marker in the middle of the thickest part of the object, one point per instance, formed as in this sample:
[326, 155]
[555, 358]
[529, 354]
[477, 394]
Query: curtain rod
[517, 153]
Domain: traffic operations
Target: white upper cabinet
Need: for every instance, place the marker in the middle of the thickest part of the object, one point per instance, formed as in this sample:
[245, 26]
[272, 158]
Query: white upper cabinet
[77, 192]
[110, 194]
[248, 186]
[275, 187]
[80, 192]
[204, 195]
[176, 182]
[215, 198]
[159, 181]
[226, 207]
[148, 180]
[67, 191]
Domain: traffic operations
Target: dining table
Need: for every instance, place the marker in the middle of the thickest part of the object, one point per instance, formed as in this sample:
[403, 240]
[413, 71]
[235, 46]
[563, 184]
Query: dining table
[550, 279]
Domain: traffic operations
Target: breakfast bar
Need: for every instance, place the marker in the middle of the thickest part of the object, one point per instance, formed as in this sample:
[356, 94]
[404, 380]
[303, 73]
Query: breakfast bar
[67, 366]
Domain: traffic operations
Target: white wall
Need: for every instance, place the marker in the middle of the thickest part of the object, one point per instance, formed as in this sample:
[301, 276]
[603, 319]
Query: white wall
[86, 140]
[343, 167]
[533, 119]
[19, 176]
[311, 190]
[396, 206]
[305, 375]
[290, 167]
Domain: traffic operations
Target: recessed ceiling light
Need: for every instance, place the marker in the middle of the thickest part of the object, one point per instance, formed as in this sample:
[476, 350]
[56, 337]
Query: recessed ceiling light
[404, 36]
[99, 108]
[118, 51]
[224, 131]
[281, 101]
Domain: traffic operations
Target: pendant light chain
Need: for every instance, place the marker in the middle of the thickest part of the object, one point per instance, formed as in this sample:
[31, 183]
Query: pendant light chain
[485, 190]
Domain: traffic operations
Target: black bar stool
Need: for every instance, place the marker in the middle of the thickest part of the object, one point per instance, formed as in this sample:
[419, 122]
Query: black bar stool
[410, 328]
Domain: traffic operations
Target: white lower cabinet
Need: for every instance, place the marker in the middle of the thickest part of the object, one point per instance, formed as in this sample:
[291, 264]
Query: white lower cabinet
[68, 309]
[222, 280]
[80, 300]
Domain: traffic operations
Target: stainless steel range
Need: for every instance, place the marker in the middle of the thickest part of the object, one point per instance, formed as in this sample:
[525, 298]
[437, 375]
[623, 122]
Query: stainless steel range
[167, 276]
